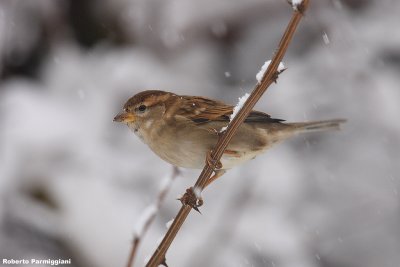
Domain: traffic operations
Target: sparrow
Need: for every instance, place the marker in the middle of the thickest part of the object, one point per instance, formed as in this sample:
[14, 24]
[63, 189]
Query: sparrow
[182, 129]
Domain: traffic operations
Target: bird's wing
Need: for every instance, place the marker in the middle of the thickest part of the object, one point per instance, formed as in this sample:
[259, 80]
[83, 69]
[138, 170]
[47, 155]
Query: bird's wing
[202, 110]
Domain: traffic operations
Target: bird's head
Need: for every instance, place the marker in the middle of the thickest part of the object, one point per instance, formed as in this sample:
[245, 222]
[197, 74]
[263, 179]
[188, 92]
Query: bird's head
[144, 108]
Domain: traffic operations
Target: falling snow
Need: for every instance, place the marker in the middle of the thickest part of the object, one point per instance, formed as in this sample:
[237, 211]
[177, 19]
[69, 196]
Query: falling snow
[325, 38]
[58, 96]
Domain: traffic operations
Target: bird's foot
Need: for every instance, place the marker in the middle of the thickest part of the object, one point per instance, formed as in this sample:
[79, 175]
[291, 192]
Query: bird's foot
[212, 162]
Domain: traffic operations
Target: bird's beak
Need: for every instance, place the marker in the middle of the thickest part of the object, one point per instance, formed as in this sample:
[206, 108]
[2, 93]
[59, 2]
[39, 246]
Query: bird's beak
[125, 117]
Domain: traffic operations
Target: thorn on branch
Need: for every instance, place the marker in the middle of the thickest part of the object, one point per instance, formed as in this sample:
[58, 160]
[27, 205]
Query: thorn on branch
[192, 199]
[189, 198]
[164, 262]
[276, 74]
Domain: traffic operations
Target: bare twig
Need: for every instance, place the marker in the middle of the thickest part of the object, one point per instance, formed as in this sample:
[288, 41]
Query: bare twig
[148, 217]
[268, 78]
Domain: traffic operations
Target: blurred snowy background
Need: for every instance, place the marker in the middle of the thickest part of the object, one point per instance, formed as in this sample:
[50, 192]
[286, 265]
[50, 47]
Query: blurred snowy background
[73, 183]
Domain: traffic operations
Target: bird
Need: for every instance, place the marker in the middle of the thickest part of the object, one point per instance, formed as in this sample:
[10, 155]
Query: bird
[183, 129]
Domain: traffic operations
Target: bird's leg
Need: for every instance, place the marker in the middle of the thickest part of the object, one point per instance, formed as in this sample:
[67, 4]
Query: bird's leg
[218, 171]
[192, 196]
[217, 174]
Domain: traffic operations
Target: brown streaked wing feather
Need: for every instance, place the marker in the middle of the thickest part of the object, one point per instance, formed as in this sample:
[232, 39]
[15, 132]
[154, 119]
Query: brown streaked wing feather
[201, 110]
[258, 116]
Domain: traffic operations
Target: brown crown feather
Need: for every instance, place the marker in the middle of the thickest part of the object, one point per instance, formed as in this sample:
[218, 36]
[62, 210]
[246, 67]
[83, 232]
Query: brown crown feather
[145, 96]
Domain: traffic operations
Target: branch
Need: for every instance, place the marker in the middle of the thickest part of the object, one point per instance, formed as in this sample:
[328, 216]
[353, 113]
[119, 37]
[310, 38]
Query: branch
[269, 77]
[224, 233]
[149, 214]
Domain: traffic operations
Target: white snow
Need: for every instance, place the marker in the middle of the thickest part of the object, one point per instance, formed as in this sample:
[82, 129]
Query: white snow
[146, 215]
[166, 182]
[169, 223]
[264, 67]
[236, 109]
[296, 3]
[239, 106]
[227, 74]
[325, 38]
[197, 192]
[100, 176]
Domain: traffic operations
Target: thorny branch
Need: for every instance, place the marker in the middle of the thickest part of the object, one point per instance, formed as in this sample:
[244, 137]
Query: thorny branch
[269, 77]
[231, 215]
[138, 236]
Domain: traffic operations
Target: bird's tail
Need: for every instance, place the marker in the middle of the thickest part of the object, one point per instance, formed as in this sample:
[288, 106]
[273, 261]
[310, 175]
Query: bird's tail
[316, 126]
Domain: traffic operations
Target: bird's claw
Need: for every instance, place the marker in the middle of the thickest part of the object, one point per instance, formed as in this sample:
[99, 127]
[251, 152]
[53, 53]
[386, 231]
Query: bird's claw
[212, 162]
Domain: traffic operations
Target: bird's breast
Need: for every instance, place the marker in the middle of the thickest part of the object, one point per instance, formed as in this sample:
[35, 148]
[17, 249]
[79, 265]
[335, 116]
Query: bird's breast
[186, 146]
[178, 144]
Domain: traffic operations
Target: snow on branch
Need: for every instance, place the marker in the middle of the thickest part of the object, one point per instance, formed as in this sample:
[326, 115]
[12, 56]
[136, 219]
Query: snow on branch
[149, 214]
[169, 223]
[264, 68]
[236, 109]
[216, 153]
[296, 3]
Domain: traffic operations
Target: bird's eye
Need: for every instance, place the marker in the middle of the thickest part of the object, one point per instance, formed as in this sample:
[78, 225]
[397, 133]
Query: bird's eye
[142, 108]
